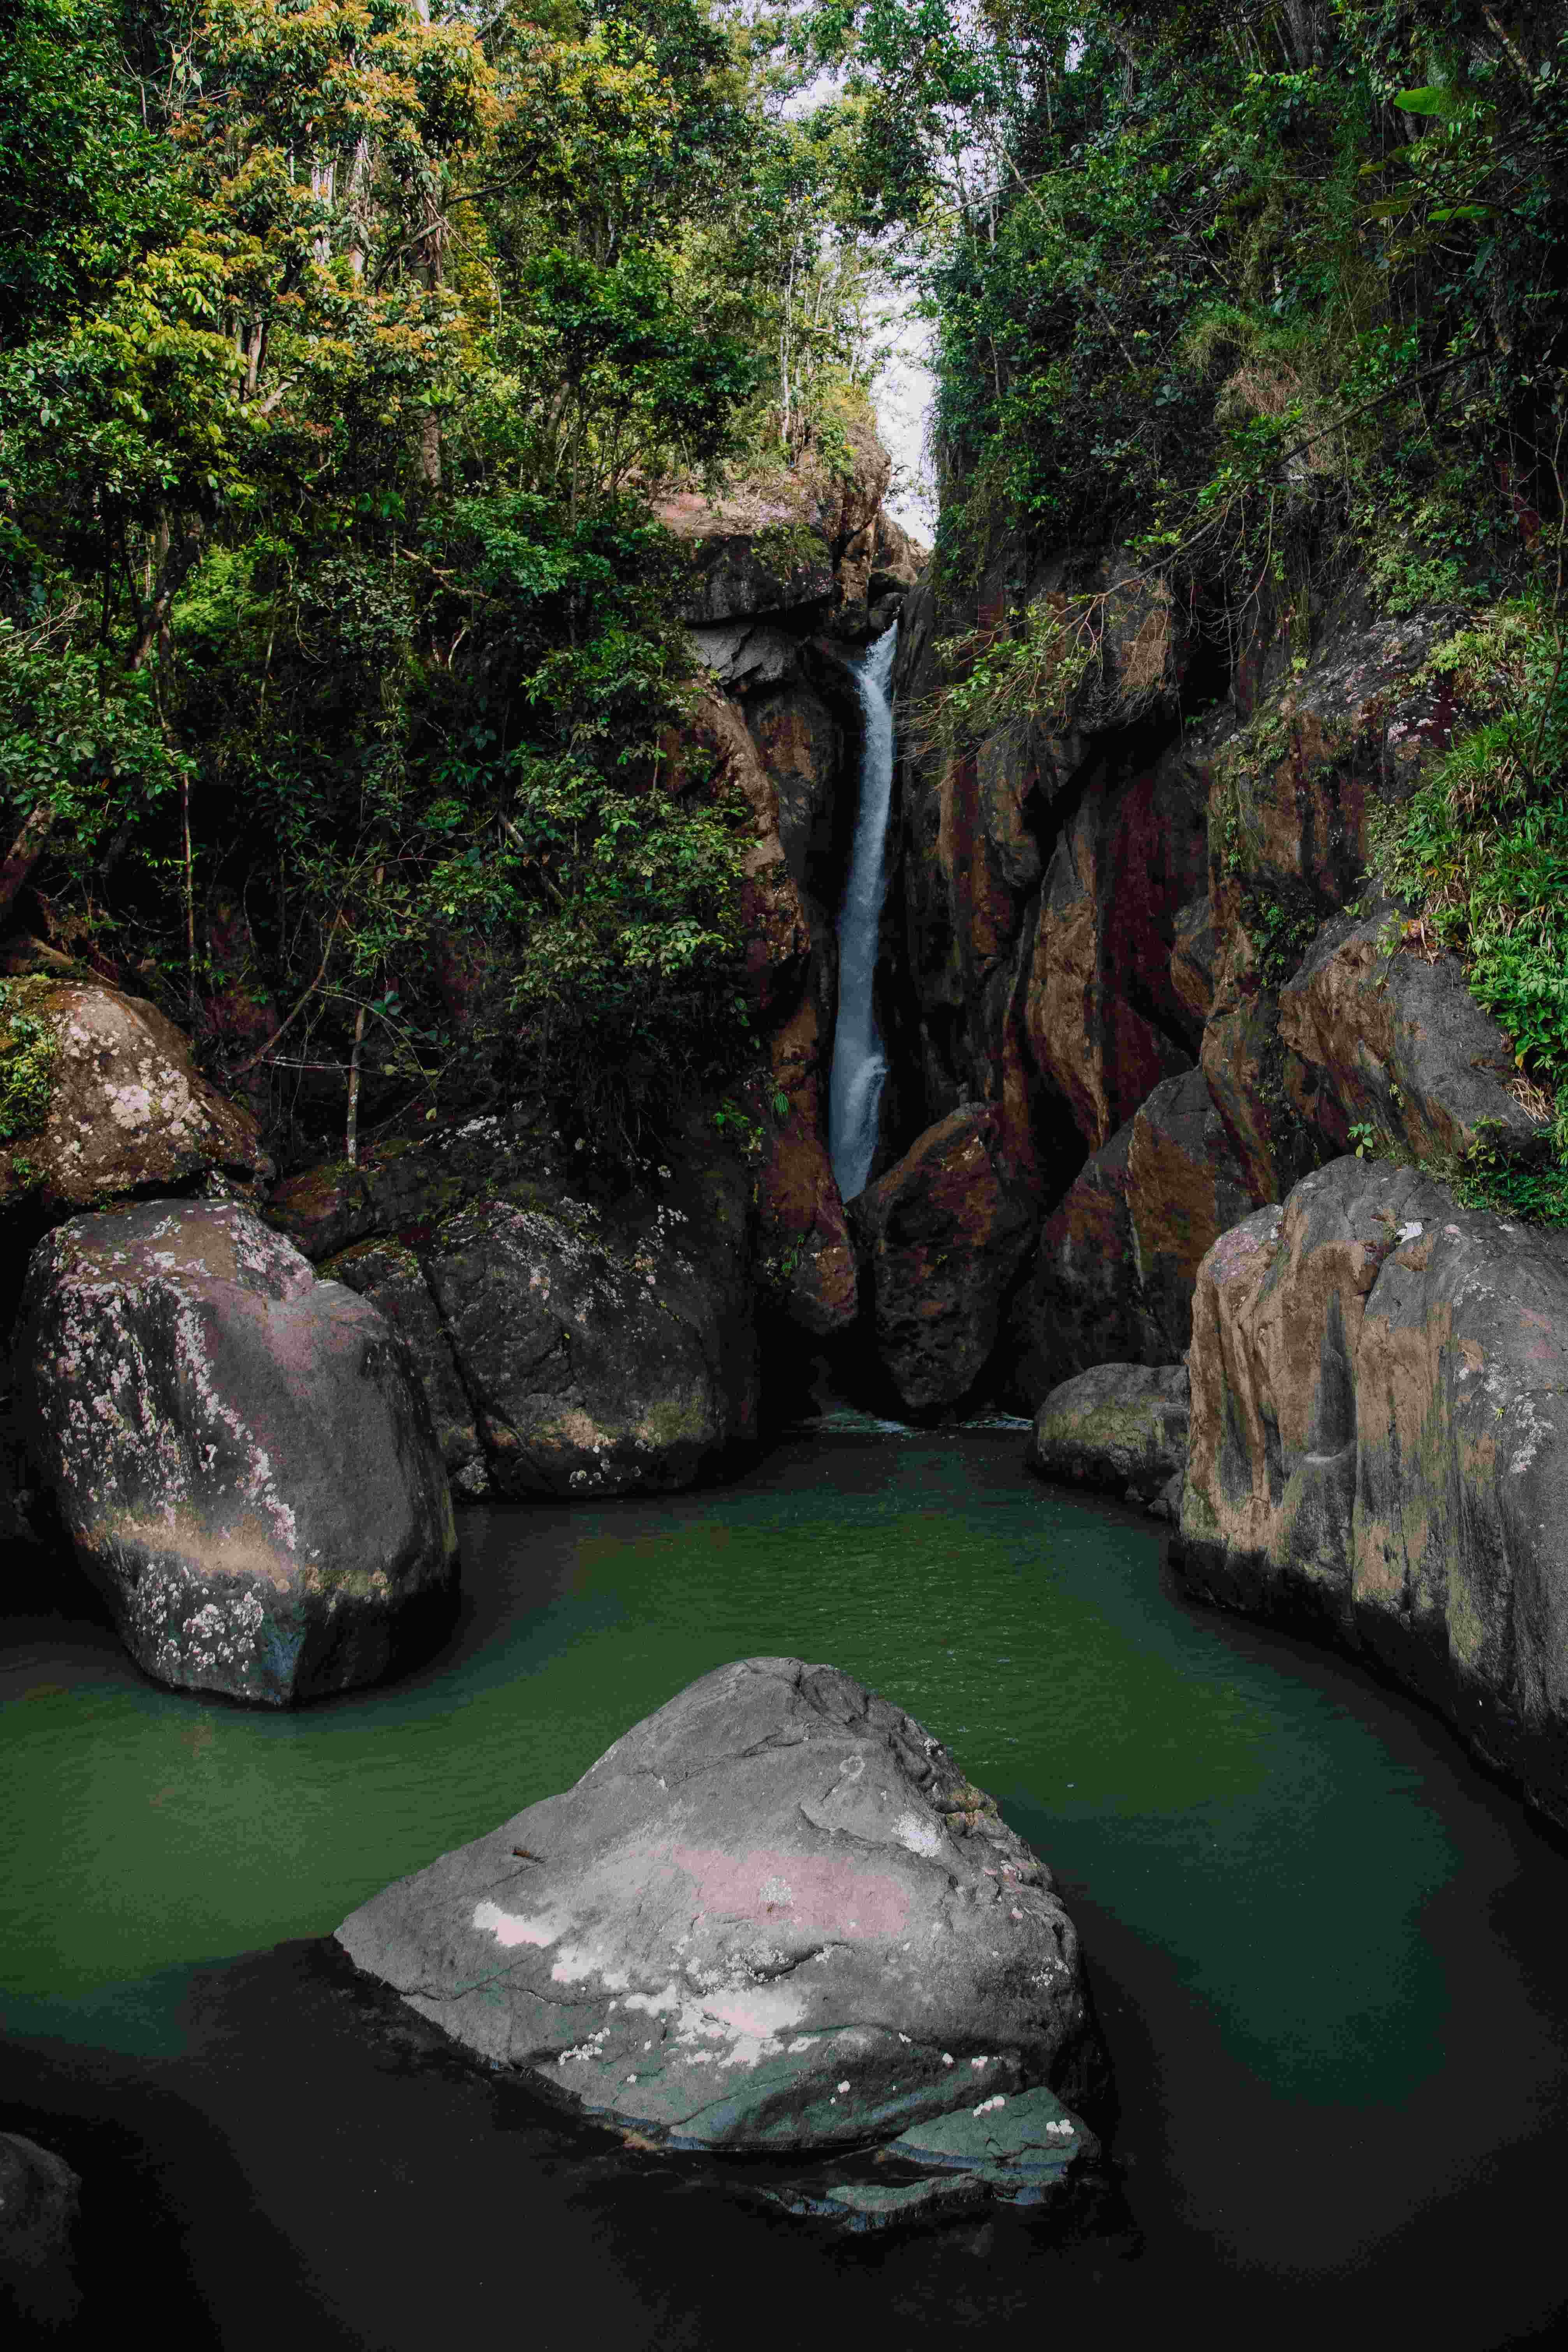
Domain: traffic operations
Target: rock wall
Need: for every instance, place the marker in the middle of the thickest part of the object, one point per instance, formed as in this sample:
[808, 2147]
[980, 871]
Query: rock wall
[1379, 1447]
[1141, 940]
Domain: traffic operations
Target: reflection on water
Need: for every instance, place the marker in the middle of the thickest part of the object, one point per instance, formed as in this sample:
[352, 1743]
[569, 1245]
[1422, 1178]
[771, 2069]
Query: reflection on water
[1284, 1875]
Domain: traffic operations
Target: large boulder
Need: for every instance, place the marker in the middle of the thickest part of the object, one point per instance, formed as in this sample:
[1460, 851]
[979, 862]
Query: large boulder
[569, 1341]
[1379, 1447]
[1122, 1426]
[943, 1236]
[102, 1097]
[598, 1362]
[774, 1916]
[238, 1450]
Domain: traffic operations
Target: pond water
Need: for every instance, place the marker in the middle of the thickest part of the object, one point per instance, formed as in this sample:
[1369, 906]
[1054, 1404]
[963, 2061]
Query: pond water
[1326, 1952]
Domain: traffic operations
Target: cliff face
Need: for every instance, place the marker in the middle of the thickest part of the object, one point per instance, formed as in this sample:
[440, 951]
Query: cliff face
[1139, 935]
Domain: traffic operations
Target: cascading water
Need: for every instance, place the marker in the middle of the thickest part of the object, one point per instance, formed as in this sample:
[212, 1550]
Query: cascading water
[859, 1065]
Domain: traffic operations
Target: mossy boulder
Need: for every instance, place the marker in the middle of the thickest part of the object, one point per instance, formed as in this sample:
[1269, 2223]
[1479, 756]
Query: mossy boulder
[1122, 1426]
[99, 1095]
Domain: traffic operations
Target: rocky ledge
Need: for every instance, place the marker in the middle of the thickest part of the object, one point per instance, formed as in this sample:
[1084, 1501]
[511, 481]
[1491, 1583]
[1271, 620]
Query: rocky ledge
[774, 1916]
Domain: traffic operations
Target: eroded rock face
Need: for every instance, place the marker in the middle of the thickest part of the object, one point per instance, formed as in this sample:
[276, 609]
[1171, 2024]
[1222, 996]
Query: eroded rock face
[1113, 1277]
[1382, 1034]
[126, 1110]
[1380, 1445]
[774, 1916]
[238, 1450]
[943, 1236]
[1121, 1426]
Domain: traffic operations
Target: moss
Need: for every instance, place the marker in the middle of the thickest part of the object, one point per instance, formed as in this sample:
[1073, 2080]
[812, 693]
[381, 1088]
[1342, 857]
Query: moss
[669, 1424]
[30, 1050]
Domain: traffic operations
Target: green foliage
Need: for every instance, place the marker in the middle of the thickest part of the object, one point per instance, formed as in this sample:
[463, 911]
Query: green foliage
[345, 346]
[1487, 1179]
[29, 1051]
[1253, 288]
[1482, 846]
[1034, 668]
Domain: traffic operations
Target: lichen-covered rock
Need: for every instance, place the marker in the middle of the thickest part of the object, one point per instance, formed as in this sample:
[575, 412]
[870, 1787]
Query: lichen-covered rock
[118, 1106]
[392, 1276]
[238, 1450]
[805, 1259]
[1122, 1426]
[601, 1358]
[568, 1341]
[1379, 1447]
[943, 1236]
[775, 1917]
[1385, 1034]
[1101, 1014]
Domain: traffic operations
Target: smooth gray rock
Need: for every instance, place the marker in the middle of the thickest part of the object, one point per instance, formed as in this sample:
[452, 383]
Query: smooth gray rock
[1124, 1426]
[774, 1916]
[237, 1450]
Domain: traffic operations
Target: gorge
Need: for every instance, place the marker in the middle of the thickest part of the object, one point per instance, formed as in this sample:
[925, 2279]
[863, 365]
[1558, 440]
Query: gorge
[620, 1085]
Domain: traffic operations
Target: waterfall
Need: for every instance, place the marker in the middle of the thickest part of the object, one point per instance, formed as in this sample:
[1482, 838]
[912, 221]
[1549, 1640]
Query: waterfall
[859, 1065]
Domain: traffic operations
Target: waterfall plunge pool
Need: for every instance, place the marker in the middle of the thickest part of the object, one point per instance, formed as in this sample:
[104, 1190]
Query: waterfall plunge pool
[1325, 1949]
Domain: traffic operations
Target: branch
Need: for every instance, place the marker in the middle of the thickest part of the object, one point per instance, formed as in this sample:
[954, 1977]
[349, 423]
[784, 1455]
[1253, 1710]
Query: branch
[289, 1018]
[24, 852]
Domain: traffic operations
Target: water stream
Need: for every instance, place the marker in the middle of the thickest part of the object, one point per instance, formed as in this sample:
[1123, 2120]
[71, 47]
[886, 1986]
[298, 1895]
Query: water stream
[1326, 1952]
[860, 1066]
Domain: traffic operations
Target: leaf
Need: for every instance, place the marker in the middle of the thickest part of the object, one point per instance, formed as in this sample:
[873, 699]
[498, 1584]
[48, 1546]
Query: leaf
[1443, 104]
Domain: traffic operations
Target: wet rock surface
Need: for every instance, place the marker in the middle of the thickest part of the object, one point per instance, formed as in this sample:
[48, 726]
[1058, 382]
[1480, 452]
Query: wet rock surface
[774, 1916]
[1113, 1276]
[238, 1450]
[1379, 1447]
[943, 1236]
[1119, 1426]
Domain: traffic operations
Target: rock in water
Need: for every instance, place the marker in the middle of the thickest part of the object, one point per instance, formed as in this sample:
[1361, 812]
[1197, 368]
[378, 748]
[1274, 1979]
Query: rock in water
[239, 1452]
[1121, 1425]
[774, 1916]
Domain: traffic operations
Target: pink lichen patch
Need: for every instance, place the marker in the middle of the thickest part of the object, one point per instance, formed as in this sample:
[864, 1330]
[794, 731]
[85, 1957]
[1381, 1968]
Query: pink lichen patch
[509, 1929]
[823, 1892]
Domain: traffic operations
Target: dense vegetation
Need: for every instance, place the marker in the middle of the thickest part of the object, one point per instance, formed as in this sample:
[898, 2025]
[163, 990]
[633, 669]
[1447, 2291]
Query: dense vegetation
[1271, 294]
[343, 347]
